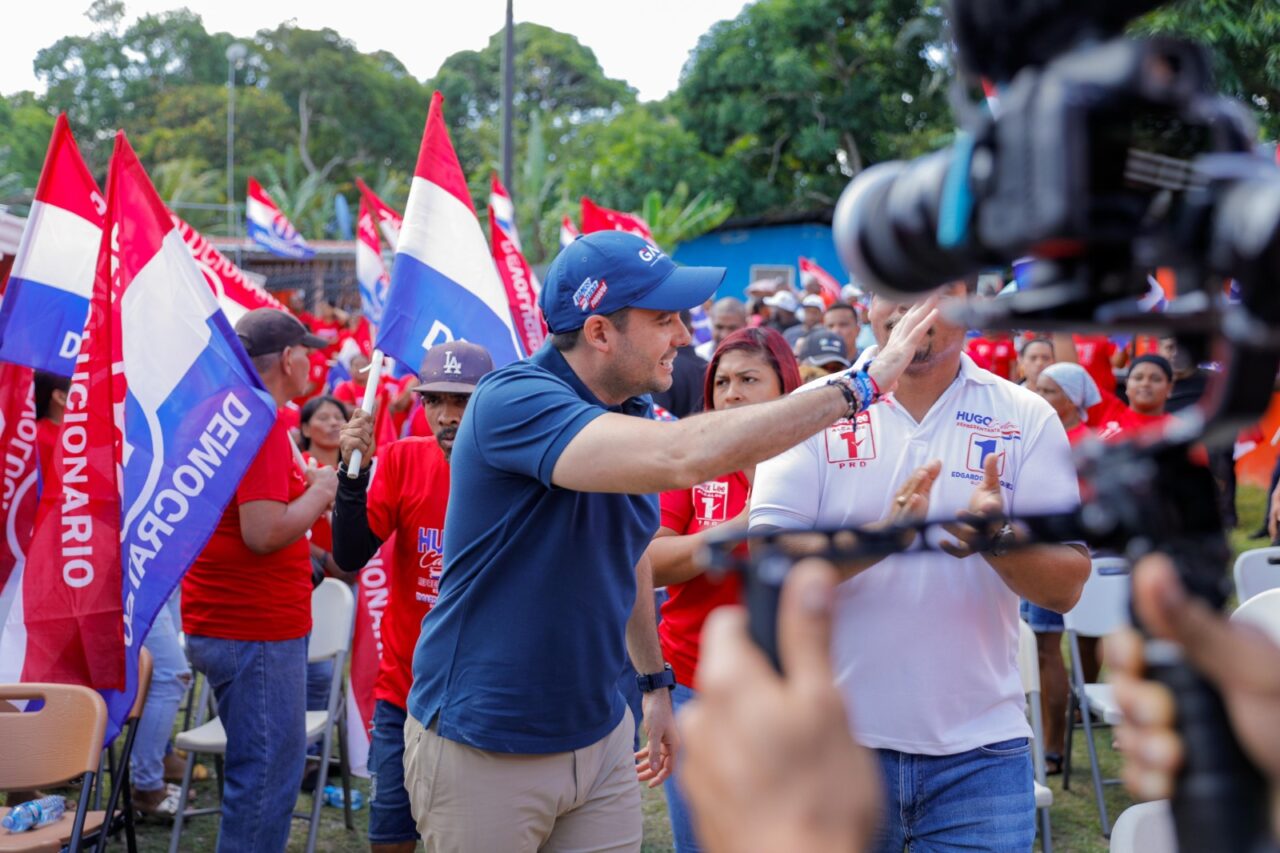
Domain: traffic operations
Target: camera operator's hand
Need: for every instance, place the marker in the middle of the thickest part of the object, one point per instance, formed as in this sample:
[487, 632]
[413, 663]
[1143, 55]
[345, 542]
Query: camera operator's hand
[1241, 661]
[769, 762]
[904, 341]
[357, 435]
[986, 502]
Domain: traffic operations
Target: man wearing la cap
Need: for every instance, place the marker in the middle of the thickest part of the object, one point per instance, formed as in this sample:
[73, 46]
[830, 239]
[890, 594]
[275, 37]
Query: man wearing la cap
[246, 604]
[407, 498]
[517, 737]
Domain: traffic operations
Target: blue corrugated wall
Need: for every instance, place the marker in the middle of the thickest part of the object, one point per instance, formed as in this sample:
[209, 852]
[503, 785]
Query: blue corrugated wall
[775, 245]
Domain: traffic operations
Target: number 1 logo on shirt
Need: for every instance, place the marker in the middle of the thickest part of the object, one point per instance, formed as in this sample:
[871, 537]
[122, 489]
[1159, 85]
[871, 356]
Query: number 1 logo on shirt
[851, 441]
[980, 447]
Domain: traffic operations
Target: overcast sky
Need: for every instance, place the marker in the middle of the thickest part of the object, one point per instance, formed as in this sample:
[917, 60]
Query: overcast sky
[645, 44]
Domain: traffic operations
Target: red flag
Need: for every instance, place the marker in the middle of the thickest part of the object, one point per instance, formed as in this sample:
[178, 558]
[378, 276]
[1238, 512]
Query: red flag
[519, 282]
[389, 222]
[237, 293]
[828, 287]
[21, 472]
[366, 651]
[72, 614]
[597, 218]
[568, 232]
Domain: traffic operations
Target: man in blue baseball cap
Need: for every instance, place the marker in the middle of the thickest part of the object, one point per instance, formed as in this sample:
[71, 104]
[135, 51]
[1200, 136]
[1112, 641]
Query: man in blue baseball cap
[518, 738]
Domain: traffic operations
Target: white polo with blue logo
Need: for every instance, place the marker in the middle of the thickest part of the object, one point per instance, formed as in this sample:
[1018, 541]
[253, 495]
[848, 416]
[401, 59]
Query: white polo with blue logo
[925, 645]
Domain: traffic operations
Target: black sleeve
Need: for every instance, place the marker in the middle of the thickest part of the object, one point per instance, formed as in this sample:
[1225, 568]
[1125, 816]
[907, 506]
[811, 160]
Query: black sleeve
[353, 542]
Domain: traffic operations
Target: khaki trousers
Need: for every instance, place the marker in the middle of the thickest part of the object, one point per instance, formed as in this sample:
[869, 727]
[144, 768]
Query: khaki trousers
[468, 800]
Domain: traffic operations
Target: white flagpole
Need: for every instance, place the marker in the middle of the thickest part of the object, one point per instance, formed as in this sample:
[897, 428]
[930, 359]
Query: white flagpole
[369, 404]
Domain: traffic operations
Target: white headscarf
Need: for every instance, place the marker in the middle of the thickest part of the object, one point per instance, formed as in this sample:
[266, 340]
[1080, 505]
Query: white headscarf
[1076, 383]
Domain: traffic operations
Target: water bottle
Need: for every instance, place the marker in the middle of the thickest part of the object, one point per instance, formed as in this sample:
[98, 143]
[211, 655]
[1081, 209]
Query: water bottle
[333, 797]
[34, 814]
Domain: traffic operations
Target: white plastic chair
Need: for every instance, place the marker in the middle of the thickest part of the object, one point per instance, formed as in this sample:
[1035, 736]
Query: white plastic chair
[1029, 669]
[333, 611]
[1145, 828]
[1256, 571]
[1262, 610]
[1103, 607]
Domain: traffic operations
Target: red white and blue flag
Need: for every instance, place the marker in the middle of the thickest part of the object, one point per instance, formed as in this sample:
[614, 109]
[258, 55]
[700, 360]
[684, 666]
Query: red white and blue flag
[162, 389]
[47, 297]
[389, 222]
[828, 287]
[444, 285]
[236, 293]
[371, 270]
[597, 218]
[20, 479]
[517, 278]
[568, 232]
[270, 228]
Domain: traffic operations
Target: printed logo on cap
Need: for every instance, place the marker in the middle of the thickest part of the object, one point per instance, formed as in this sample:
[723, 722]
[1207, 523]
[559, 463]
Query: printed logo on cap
[650, 253]
[589, 294]
[451, 363]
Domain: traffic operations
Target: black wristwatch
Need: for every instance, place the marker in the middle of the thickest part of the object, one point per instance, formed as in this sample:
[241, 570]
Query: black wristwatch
[1001, 541]
[657, 680]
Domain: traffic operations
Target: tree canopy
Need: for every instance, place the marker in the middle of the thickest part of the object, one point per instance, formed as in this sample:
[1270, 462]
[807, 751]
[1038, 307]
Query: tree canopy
[776, 110]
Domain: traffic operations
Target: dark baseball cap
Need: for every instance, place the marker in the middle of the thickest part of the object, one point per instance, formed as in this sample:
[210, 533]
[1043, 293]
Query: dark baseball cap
[823, 346]
[267, 330]
[453, 368]
[606, 271]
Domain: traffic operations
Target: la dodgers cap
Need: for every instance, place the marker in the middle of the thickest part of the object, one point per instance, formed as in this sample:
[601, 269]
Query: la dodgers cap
[268, 330]
[606, 271]
[453, 368]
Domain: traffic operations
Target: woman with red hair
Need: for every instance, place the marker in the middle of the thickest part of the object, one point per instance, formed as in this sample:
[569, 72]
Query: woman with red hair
[751, 365]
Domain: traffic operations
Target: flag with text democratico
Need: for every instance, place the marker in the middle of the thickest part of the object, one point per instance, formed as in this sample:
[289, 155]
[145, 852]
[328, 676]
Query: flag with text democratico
[270, 228]
[371, 271]
[521, 284]
[21, 473]
[828, 287]
[47, 297]
[187, 406]
[236, 293]
[568, 232]
[389, 222]
[597, 218]
[65, 621]
[444, 285]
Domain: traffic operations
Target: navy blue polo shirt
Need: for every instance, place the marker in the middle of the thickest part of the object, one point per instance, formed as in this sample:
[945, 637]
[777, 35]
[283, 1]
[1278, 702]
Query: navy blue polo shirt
[522, 651]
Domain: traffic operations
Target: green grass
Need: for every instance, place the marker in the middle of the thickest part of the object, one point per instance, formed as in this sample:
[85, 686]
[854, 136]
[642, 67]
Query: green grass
[1074, 817]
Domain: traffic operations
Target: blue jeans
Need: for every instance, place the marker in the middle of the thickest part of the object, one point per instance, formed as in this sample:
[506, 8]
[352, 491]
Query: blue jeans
[390, 815]
[982, 799]
[677, 808]
[170, 676]
[261, 692]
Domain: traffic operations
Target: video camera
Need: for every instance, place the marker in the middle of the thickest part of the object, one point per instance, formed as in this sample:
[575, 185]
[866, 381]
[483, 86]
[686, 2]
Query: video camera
[1106, 158]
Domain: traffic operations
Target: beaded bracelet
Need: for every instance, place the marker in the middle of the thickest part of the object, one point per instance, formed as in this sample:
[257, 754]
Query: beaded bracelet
[860, 390]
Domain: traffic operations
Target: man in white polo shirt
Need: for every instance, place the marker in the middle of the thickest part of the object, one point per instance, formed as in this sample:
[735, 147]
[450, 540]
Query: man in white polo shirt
[925, 643]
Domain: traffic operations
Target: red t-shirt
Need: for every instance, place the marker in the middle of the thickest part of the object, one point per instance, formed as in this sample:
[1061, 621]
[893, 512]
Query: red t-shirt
[322, 530]
[317, 372]
[1113, 420]
[408, 497]
[997, 355]
[1095, 352]
[231, 592]
[417, 421]
[688, 511]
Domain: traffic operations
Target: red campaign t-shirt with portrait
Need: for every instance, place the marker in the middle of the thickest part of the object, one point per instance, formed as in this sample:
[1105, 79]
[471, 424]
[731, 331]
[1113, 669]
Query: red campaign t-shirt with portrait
[996, 355]
[687, 511]
[408, 497]
[1094, 353]
[234, 594]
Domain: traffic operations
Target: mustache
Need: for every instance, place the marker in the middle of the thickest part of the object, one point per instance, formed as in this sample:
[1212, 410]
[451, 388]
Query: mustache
[447, 434]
